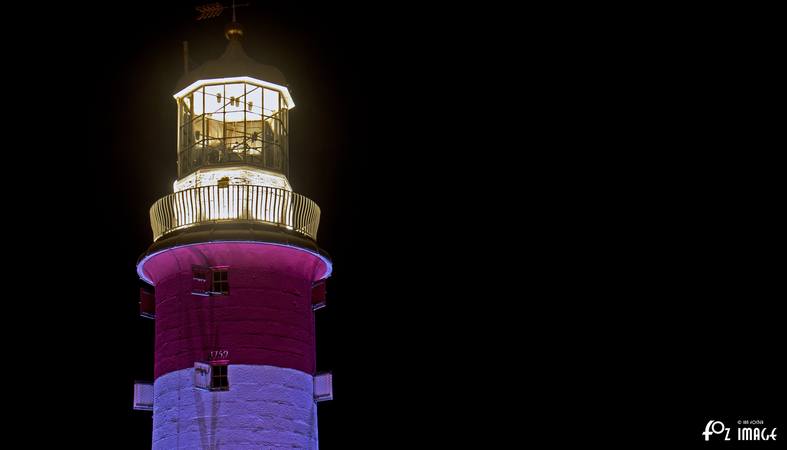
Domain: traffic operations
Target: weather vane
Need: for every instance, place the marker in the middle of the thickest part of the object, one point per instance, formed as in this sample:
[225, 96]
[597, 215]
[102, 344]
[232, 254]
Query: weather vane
[211, 10]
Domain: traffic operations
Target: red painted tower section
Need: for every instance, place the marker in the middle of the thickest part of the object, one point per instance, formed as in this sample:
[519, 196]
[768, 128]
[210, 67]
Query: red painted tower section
[266, 319]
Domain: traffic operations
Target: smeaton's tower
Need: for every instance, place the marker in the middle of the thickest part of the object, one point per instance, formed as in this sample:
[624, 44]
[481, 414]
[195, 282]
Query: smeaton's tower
[234, 271]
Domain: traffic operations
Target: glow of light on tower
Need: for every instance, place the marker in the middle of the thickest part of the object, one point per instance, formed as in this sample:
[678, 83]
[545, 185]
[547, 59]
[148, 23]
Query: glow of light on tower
[234, 176]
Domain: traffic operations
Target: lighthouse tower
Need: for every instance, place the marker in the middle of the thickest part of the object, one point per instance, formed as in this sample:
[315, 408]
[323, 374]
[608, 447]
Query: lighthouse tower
[235, 273]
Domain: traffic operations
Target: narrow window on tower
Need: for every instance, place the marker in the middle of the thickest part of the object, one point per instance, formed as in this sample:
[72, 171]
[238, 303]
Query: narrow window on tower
[221, 283]
[208, 281]
[211, 376]
[218, 378]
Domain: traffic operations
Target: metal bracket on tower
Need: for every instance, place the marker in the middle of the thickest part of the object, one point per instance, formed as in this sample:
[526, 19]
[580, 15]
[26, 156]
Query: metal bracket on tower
[143, 396]
[147, 304]
[318, 296]
[323, 386]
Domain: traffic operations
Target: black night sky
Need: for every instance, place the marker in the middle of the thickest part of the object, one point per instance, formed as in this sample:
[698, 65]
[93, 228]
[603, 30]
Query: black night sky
[544, 227]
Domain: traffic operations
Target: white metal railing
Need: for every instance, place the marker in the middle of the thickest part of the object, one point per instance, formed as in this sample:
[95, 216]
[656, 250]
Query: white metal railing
[208, 204]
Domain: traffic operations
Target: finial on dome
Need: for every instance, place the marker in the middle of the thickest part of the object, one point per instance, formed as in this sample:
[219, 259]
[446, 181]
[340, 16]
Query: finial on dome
[233, 31]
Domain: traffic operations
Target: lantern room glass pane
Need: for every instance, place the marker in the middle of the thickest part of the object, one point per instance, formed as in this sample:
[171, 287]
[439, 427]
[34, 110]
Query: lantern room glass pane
[234, 102]
[254, 99]
[199, 102]
[234, 122]
[215, 101]
[254, 124]
[271, 102]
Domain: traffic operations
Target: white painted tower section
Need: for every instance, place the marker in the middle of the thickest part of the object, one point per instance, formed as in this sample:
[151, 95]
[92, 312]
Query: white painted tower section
[266, 407]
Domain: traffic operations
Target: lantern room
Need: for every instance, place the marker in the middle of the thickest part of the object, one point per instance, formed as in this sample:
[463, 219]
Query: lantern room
[232, 122]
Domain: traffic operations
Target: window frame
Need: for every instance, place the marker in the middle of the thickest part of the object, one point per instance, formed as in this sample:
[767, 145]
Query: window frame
[220, 286]
[208, 281]
[219, 375]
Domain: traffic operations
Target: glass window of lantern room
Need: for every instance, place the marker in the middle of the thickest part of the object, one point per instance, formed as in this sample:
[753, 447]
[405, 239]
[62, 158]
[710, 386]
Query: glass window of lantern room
[234, 122]
[283, 112]
[192, 133]
[271, 102]
[276, 124]
[186, 138]
[214, 104]
[272, 157]
[196, 126]
[284, 108]
[254, 123]
[184, 117]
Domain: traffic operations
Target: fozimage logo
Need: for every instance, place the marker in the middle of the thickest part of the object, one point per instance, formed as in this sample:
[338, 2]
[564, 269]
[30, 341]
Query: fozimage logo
[716, 427]
[747, 430]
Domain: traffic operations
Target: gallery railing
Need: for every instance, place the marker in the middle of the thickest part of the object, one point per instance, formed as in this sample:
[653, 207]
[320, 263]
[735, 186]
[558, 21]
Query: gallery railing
[210, 204]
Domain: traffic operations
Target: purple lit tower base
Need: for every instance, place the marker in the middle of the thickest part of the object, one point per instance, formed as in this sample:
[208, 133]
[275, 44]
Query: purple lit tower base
[267, 407]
